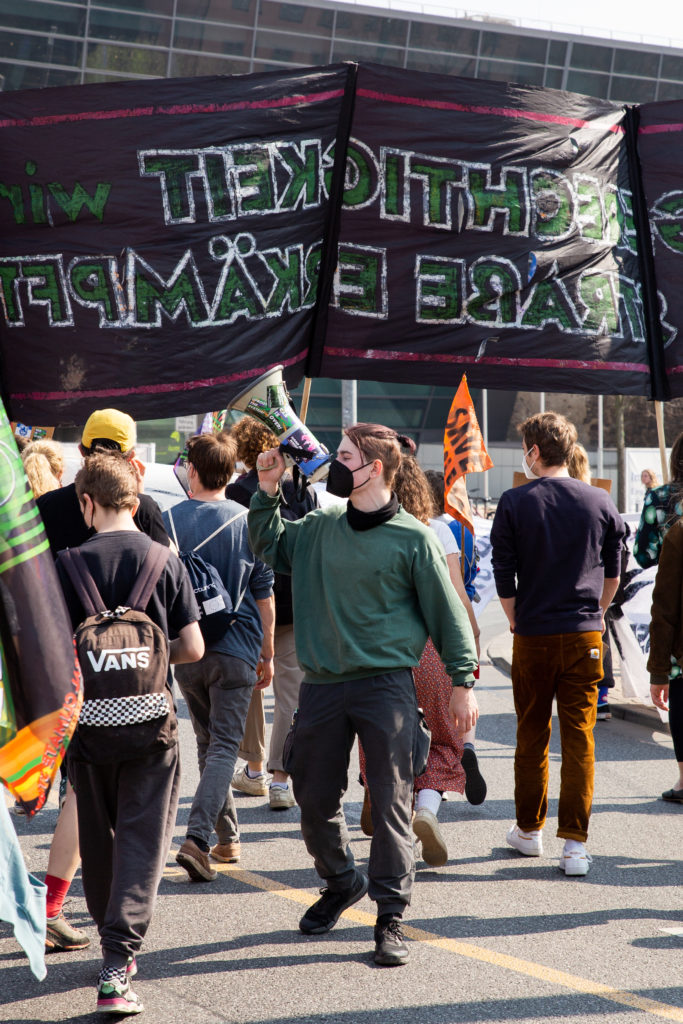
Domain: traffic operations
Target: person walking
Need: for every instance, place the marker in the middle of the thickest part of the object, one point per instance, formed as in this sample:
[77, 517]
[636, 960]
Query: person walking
[369, 585]
[556, 559]
[218, 688]
[123, 758]
[253, 438]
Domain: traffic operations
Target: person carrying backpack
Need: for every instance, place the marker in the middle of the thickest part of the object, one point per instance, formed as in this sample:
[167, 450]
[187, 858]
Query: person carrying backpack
[218, 689]
[126, 595]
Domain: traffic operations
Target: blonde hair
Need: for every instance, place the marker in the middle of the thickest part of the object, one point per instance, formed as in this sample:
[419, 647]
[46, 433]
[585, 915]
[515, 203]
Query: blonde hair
[43, 464]
[578, 465]
[654, 479]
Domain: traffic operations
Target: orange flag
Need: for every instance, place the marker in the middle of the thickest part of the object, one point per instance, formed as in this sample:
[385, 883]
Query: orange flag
[463, 452]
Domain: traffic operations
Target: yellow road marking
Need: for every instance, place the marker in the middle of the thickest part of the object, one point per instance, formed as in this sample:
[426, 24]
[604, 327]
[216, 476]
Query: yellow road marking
[466, 949]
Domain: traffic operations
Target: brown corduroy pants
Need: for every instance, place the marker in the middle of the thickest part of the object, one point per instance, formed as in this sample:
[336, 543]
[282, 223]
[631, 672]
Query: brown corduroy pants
[568, 667]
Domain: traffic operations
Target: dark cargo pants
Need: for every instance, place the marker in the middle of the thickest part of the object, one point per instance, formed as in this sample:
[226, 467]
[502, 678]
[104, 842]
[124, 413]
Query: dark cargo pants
[382, 711]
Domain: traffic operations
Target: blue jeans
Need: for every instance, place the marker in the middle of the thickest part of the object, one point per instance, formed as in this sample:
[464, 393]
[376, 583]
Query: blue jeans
[217, 691]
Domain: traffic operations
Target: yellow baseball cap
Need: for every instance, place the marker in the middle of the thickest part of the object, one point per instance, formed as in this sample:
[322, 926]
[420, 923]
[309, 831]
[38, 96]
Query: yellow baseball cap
[111, 424]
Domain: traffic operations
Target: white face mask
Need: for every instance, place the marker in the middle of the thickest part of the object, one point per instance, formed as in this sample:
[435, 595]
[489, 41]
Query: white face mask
[528, 471]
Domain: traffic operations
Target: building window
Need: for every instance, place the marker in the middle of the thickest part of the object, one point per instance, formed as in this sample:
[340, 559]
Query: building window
[592, 58]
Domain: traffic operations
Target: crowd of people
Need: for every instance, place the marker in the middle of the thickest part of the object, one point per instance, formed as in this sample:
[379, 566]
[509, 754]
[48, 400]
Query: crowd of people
[359, 614]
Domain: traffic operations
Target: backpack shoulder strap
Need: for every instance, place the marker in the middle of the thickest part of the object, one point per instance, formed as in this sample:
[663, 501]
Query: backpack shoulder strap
[215, 533]
[175, 535]
[83, 582]
[148, 577]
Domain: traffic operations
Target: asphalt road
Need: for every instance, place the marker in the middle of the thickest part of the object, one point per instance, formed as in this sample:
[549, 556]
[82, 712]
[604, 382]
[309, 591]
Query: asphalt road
[494, 936]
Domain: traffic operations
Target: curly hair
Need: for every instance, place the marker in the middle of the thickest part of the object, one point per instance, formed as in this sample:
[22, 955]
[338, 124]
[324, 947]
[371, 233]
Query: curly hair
[252, 438]
[413, 489]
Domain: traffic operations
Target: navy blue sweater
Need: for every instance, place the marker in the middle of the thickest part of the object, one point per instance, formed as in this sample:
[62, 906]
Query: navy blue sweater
[555, 540]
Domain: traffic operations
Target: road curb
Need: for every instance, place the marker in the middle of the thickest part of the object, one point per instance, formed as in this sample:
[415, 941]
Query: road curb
[500, 654]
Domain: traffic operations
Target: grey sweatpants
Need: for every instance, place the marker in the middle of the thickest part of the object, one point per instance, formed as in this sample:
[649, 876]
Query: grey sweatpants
[382, 711]
[217, 691]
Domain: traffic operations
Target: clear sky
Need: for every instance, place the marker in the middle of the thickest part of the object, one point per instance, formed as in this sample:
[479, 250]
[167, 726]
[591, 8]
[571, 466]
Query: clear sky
[655, 21]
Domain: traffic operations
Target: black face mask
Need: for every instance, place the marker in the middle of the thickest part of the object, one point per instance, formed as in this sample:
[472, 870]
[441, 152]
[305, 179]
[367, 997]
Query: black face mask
[340, 479]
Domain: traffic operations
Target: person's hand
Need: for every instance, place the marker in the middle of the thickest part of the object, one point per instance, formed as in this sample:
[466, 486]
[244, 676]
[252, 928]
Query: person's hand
[270, 466]
[659, 693]
[463, 709]
[264, 673]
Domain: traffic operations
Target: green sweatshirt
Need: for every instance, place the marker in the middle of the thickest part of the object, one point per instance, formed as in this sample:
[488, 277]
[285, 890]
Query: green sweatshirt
[364, 602]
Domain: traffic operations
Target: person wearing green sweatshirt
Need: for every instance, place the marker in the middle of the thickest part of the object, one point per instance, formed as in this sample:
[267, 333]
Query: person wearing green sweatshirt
[369, 585]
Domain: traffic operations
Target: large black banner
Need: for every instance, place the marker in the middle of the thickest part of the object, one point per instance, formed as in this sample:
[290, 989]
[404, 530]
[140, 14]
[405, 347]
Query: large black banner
[163, 242]
[486, 228]
[660, 148]
[160, 241]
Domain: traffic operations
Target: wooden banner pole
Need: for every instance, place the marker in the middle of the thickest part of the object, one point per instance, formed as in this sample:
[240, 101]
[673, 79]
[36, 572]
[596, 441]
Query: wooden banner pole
[304, 399]
[659, 416]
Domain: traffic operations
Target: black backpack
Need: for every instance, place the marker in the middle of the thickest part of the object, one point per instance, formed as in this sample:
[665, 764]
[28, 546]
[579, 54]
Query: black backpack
[216, 609]
[124, 657]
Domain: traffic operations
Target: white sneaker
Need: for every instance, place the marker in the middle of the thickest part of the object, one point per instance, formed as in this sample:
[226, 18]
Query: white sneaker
[426, 828]
[245, 784]
[280, 799]
[575, 862]
[528, 843]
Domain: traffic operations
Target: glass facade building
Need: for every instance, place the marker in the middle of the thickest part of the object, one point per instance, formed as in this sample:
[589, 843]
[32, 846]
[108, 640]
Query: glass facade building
[51, 43]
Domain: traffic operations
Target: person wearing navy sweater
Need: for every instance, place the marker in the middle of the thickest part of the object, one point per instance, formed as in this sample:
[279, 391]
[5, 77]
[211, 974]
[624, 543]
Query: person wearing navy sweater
[556, 559]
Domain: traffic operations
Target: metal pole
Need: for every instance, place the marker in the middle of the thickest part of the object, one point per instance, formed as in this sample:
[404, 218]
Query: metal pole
[601, 438]
[485, 418]
[541, 406]
[349, 403]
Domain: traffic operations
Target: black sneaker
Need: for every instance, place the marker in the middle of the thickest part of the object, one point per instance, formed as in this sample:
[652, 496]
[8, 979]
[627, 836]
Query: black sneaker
[390, 945]
[324, 914]
[475, 783]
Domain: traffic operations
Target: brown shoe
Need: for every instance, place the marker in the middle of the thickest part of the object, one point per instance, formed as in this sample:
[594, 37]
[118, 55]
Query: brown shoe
[227, 853]
[366, 814]
[195, 862]
[61, 937]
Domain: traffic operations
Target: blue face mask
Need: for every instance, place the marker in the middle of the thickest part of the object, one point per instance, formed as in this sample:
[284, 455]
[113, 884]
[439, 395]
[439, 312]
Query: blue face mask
[340, 479]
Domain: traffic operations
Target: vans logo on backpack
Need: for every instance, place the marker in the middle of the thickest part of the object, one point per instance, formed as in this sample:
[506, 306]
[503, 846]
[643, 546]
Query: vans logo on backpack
[117, 658]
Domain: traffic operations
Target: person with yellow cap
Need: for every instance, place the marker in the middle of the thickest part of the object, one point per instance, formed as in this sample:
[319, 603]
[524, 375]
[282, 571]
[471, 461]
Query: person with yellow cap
[105, 430]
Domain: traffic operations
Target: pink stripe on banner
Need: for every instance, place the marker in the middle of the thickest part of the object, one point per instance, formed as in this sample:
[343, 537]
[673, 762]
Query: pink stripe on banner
[423, 357]
[152, 389]
[527, 115]
[181, 109]
[655, 129]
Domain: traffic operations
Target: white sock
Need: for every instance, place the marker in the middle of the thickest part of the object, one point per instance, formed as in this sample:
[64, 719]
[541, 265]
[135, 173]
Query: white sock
[574, 846]
[254, 775]
[429, 799]
[279, 785]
